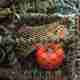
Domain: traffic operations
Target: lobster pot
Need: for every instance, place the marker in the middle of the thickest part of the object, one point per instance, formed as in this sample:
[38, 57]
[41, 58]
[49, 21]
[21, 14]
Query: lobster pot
[26, 36]
[26, 8]
[66, 7]
[72, 50]
[7, 45]
[17, 47]
[8, 56]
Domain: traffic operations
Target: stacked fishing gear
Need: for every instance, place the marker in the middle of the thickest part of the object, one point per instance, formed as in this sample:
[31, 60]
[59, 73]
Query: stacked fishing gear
[39, 39]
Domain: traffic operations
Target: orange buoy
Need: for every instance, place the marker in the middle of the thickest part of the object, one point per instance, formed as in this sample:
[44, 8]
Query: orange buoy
[50, 56]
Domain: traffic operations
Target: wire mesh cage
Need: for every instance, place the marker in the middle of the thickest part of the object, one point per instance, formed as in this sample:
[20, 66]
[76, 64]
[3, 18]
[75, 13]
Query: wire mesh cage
[36, 72]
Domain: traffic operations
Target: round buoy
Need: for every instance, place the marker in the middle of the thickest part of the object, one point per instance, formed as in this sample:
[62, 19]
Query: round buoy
[50, 56]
